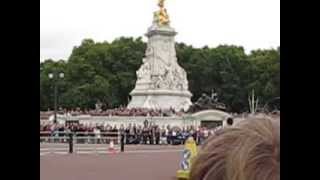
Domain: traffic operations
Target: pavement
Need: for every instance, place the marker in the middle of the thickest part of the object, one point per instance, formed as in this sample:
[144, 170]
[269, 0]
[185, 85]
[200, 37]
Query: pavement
[138, 162]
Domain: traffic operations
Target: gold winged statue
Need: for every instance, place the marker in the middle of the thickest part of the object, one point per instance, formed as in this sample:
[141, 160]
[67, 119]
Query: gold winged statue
[162, 16]
[161, 3]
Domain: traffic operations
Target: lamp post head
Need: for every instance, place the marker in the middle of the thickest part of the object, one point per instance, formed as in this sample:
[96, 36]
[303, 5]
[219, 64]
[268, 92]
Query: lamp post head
[50, 75]
[61, 75]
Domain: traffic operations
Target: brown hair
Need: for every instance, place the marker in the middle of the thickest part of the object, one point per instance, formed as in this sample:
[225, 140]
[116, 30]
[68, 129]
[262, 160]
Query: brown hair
[248, 151]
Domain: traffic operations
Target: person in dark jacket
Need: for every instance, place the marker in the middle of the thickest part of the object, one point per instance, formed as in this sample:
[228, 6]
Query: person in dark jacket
[126, 132]
[139, 134]
[151, 135]
[157, 134]
[145, 134]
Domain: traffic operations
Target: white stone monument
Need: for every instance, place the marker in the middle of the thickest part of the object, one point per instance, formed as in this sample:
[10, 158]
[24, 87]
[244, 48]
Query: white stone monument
[161, 82]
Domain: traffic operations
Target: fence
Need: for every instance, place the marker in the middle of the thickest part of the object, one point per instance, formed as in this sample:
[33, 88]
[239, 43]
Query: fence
[78, 142]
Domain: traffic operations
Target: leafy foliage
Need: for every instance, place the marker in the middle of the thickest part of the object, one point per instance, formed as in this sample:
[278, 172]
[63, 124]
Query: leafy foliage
[106, 72]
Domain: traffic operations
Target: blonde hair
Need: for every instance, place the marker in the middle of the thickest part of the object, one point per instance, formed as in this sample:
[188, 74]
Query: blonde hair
[248, 151]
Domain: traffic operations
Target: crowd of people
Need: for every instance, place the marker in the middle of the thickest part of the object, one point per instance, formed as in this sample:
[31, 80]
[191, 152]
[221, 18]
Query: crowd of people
[121, 111]
[134, 134]
[45, 115]
[249, 149]
[147, 133]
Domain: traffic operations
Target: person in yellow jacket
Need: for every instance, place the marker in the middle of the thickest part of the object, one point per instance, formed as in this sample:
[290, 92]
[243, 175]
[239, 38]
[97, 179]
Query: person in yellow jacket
[189, 153]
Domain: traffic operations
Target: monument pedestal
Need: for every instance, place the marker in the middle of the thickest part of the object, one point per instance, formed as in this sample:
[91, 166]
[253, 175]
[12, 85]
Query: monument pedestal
[160, 99]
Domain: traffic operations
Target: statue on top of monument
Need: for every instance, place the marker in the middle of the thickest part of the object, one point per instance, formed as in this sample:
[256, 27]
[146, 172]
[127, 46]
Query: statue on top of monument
[161, 3]
[214, 96]
[162, 16]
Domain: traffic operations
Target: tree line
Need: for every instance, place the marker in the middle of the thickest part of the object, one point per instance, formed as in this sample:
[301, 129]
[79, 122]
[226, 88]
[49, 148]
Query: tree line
[106, 72]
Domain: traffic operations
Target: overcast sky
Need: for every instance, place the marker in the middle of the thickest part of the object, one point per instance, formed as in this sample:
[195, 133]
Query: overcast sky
[252, 24]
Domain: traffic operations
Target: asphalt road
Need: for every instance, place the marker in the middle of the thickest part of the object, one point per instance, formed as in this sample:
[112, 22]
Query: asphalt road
[138, 163]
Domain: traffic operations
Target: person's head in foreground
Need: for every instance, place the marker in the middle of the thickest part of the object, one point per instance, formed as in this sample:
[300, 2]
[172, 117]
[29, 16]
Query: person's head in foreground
[248, 151]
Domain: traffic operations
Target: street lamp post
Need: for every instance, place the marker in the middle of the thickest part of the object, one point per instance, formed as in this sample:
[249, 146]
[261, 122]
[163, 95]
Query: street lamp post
[55, 77]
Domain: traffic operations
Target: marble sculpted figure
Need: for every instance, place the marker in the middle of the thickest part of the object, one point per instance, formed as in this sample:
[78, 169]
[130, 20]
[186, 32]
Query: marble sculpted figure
[161, 82]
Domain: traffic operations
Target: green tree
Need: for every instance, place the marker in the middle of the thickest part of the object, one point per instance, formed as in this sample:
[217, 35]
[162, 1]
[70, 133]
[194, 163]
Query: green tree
[106, 72]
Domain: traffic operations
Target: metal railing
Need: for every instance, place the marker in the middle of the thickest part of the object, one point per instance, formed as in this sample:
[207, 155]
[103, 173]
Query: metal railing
[79, 137]
[78, 142]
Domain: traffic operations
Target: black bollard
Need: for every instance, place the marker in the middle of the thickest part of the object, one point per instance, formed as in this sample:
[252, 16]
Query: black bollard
[70, 143]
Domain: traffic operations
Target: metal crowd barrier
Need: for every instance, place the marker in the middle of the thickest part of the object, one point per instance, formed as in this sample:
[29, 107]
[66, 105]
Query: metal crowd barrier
[77, 142]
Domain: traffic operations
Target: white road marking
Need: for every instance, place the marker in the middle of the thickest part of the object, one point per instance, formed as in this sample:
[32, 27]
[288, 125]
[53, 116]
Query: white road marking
[105, 151]
[153, 151]
[61, 153]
